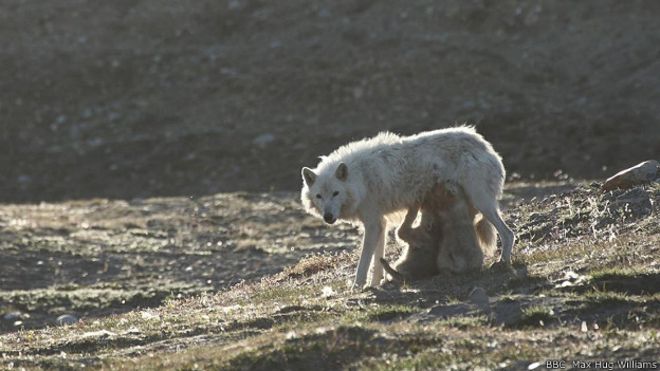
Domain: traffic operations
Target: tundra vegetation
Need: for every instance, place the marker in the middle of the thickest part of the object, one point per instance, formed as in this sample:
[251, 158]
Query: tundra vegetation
[179, 283]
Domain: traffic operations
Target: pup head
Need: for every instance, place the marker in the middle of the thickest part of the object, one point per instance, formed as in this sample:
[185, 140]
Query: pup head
[325, 194]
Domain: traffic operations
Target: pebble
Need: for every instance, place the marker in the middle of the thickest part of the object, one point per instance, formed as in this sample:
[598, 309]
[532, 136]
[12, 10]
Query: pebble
[13, 316]
[66, 319]
[98, 334]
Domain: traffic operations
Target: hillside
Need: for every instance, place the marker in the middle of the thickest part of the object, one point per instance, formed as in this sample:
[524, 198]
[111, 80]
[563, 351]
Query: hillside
[148, 98]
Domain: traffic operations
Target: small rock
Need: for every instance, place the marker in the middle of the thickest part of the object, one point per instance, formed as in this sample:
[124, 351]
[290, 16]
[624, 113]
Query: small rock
[13, 316]
[642, 173]
[98, 334]
[66, 319]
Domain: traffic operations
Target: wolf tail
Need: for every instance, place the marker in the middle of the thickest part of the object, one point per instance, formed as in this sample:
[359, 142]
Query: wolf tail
[487, 236]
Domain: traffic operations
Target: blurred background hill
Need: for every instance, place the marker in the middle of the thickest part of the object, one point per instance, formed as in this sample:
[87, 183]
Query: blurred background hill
[126, 99]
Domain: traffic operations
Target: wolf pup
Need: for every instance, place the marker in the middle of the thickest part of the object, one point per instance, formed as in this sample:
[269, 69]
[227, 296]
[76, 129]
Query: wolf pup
[464, 243]
[369, 180]
[447, 238]
[419, 256]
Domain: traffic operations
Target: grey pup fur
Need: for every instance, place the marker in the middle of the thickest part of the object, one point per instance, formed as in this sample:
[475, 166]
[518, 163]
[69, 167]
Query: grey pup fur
[451, 237]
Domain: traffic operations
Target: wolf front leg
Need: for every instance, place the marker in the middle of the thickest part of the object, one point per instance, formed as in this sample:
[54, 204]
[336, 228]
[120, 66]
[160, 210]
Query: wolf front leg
[374, 233]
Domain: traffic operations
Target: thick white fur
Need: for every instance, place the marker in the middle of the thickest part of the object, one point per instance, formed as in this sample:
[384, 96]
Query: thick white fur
[373, 178]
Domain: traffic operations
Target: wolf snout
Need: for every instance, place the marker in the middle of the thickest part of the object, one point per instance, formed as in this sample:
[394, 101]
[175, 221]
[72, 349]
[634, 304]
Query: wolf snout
[329, 218]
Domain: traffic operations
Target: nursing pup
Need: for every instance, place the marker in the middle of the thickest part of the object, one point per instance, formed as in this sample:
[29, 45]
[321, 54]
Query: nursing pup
[446, 240]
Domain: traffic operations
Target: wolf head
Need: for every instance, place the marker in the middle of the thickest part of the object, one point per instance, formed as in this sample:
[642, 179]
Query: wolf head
[327, 194]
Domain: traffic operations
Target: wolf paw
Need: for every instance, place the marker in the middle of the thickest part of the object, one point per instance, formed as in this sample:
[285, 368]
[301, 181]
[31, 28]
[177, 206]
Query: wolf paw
[356, 287]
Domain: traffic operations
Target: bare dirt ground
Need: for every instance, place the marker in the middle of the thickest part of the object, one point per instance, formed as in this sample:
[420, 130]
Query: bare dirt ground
[93, 258]
[150, 155]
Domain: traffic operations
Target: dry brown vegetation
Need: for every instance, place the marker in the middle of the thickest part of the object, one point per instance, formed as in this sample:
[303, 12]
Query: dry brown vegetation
[584, 286]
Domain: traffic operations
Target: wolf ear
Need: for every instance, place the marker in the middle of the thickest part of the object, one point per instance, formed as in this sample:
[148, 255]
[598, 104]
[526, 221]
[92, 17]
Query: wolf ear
[308, 176]
[342, 171]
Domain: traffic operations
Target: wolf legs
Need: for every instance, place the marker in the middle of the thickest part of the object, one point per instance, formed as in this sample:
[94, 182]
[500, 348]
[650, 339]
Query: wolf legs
[486, 203]
[374, 241]
[405, 231]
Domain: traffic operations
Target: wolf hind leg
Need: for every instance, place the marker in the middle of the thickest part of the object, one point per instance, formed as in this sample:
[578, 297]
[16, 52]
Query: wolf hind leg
[376, 265]
[486, 203]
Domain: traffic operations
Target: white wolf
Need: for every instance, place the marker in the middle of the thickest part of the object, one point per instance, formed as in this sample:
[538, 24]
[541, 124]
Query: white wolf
[374, 178]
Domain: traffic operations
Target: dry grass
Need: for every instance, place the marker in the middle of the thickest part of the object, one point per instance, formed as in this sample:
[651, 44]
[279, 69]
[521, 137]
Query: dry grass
[582, 296]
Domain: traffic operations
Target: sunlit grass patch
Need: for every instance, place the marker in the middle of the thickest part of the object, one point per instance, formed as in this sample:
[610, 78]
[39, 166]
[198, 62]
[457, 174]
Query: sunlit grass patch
[594, 298]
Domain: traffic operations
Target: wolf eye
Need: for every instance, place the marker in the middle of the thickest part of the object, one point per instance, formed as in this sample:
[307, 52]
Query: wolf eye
[336, 193]
[319, 196]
